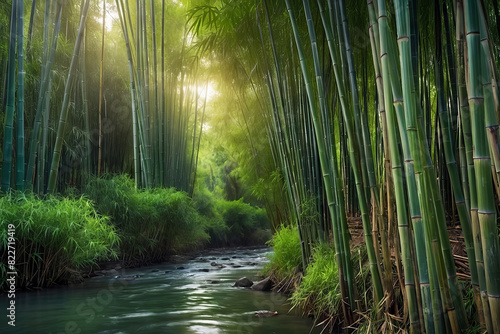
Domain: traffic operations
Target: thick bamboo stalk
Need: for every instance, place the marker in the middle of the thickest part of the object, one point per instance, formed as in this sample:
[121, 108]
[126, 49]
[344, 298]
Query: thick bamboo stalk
[377, 284]
[426, 182]
[485, 198]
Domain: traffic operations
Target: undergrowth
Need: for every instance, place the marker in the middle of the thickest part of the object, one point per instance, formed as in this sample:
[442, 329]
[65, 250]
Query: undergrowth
[152, 223]
[232, 223]
[286, 259]
[319, 291]
[155, 223]
[55, 237]
[315, 292]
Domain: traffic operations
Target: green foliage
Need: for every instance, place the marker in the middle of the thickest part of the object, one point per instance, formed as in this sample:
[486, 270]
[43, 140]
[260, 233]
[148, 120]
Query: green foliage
[287, 256]
[111, 195]
[232, 223]
[152, 223]
[243, 221]
[470, 308]
[319, 291]
[54, 237]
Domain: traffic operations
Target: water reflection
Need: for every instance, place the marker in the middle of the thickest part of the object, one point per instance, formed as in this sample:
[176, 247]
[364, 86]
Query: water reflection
[162, 299]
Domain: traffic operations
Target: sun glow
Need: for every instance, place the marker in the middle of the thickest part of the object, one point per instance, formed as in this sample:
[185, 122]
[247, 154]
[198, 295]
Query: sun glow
[207, 91]
[111, 16]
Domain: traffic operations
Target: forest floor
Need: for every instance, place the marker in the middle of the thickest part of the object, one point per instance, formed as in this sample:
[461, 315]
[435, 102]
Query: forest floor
[456, 240]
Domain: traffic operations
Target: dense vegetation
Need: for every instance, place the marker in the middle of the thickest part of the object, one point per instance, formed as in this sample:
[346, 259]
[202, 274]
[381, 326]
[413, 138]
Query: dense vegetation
[317, 111]
[55, 237]
[59, 237]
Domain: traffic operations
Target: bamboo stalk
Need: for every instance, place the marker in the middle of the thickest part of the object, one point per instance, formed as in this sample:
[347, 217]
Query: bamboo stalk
[20, 168]
[54, 169]
[9, 113]
[486, 209]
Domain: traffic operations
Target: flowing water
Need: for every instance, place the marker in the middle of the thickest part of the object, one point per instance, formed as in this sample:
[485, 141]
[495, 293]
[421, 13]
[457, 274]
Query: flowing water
[192, 297]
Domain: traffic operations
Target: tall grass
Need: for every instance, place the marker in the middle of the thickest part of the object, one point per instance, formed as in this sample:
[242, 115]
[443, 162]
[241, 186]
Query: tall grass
[54, 238]
[287, 257]
[319, 291]
[152, 223]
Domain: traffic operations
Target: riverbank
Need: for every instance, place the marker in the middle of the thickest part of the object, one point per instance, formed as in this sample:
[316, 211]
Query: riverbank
[316, 291]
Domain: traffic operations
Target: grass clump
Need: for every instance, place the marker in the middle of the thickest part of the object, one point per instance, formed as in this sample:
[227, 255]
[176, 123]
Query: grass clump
[319, 291]
[152, 223]
[162, 222]
[286, 260]
[55, 237]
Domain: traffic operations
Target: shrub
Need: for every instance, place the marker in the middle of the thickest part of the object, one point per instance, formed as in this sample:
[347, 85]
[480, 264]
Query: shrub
[205, 204]
[232, 223]
[54, 238]
[242, 220]
[286, 259]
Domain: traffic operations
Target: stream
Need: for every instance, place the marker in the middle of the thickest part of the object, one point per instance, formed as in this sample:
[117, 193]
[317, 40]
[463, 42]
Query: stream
[190, 297]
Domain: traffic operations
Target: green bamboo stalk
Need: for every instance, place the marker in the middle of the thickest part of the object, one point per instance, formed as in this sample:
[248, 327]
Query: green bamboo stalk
[480, 293]
[450, 53]
[30, 26]
[391, 144]
[43, 147]
[316, 122]
[278, 135]
[389, 68]
[451, 163]
[485, 198]
[85, 108]
[488, 78]
[20, 181]
[426, 181]
[9, 113]
[458, 194]
[135, 125]
[101, 82]
[43, 93]
[64, 109]
[377, 285]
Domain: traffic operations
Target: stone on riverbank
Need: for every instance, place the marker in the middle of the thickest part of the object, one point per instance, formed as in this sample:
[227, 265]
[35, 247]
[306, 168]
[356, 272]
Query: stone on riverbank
[265, 285]
[243, 283]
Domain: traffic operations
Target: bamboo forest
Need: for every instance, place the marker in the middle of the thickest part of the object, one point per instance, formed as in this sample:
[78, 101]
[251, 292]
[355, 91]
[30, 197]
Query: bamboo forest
[250, 166]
